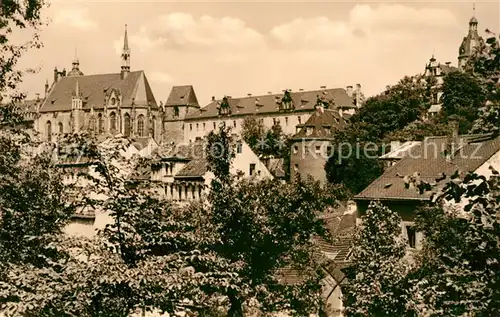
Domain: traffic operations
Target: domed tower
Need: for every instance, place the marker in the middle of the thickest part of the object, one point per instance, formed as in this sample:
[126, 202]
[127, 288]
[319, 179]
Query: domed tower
[470, 42]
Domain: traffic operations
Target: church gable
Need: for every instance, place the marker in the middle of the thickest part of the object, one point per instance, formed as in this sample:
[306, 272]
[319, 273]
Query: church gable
[96, 90]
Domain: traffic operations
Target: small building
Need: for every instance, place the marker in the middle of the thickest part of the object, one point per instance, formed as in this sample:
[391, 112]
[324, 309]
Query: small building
[183, 169]
[416, 179]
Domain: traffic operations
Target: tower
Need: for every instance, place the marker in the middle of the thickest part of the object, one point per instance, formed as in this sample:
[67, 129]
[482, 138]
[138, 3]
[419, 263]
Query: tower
[470, 42]
[125, 56]
[76, 109]
[75, 69]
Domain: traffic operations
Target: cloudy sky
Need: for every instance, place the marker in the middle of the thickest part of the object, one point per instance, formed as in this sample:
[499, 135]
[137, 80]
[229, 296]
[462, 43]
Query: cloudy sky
[240, 47]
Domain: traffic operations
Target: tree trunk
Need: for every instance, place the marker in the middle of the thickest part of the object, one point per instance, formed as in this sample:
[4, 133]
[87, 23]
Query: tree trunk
[236, 309]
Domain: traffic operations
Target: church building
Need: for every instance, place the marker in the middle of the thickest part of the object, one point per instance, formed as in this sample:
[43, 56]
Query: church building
[101, 104]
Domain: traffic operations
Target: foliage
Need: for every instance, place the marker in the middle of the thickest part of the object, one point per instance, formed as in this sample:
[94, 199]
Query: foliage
[355, 165]
[486, 63]
[419, 130]
[266, 143]
[398, 106]
[462, 96]
[263, 226]
[459, 267]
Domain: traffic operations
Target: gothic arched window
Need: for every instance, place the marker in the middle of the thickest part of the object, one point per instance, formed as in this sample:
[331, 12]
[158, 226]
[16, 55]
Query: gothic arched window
[140, 125]
[49, 131]
[61, 128]
[112, 122]
[100, 123]
[153, 127]
[127, 125]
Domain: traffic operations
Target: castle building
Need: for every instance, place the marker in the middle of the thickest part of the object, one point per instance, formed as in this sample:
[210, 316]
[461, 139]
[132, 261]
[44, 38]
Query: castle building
[186, 121]
[101, 104]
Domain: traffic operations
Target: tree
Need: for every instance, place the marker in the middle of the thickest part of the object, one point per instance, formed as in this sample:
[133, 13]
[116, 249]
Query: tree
[419, 130]
[392, 110]
[353, 168]
[485, 62]
[463, 96]
[263, 226]
[458, 270]
[266, 143]
[252, 131]
[377, 278]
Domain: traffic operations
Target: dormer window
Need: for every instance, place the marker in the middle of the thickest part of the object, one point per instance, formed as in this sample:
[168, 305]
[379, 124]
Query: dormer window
[286, 101]
[224, 108]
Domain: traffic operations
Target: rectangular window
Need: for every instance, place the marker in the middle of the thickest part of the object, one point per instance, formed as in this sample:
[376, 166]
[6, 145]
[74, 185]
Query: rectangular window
[215, 125]
[203, 126]
[239, 147]
[328, 151]
[300, 119]
[411, 235]
[197, 127]
[190, 127]
[274, 121]
[234, 123]
[295, 149]
[318, 149]
[252, 169]
[286, 120]
[295, 167]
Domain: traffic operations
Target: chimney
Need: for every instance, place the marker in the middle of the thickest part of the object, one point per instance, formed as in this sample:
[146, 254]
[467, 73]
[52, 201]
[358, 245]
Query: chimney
[56, 74]
[213, 98]
[63, 73]
[37, 96]
[358, 95]
[349, 91]
[269, 92]
[300, 89]
[448, 63]
[249, 95]
[323, 87]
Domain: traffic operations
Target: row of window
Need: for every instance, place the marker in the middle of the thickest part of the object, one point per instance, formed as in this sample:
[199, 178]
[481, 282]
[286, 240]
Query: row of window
[317, 149]
[98, 125]
[235, 124]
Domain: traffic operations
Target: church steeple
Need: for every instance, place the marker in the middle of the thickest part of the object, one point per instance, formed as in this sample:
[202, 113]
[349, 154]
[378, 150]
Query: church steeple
[125, 56]
[470, 42]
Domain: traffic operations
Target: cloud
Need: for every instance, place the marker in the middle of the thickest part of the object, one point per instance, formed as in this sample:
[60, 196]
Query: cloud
[366, 25]
[183, 32]
[161, 77]
[76, 17]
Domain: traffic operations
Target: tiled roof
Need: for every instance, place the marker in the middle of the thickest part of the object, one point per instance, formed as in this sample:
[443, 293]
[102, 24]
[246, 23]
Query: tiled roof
[428, 161]
[134, 87]
[435, 108]
[194, 168]
[181, 96]
[400, 151]
[303, 101]
[445, 69]
[323, 123]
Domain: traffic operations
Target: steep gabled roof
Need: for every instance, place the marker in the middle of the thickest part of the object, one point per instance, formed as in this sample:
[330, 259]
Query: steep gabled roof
[134, 87]
[429, 162]
[322, 124]
[302, 100]
[182, 96]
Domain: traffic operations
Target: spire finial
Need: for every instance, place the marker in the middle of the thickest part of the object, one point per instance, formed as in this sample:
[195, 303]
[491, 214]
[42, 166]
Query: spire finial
[125, 39]
[473, 9]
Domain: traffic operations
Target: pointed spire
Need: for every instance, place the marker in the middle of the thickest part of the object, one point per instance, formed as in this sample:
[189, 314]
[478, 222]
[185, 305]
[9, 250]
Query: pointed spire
[125, 69]
[125, 40]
